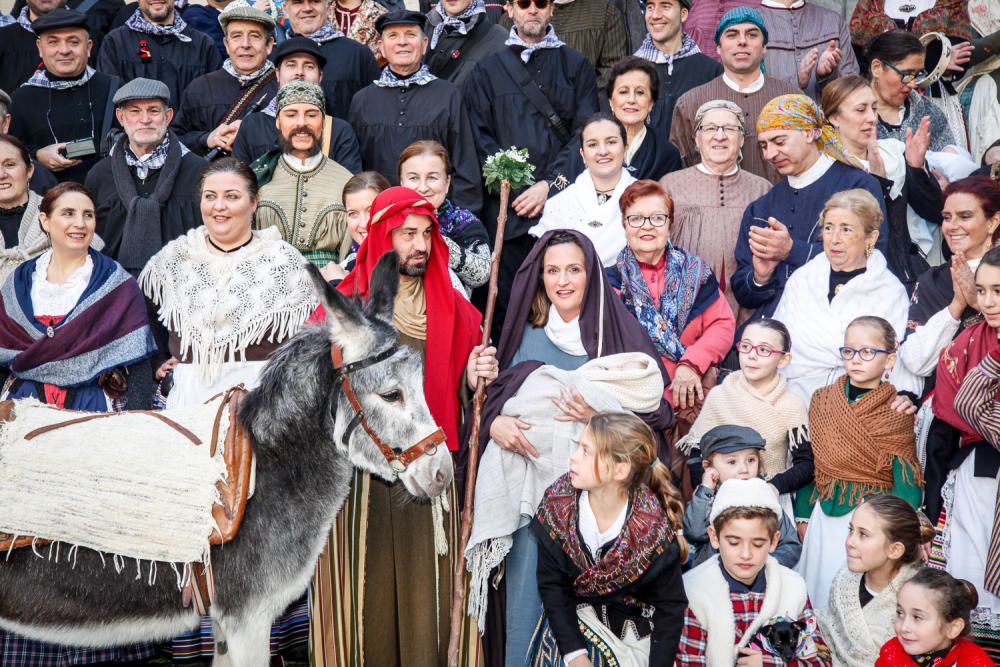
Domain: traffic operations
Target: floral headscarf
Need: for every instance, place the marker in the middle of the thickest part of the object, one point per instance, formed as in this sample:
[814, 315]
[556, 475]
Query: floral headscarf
[798, 112]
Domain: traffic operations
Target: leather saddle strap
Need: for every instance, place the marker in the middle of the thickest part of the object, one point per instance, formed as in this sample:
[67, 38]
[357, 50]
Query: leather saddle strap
[79, 420]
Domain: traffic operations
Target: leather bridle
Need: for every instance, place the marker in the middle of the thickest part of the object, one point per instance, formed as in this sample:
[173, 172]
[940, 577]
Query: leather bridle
[397, 458]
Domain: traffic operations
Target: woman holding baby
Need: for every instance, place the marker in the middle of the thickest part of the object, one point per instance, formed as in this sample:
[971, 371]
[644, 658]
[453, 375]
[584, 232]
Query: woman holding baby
[563, 314]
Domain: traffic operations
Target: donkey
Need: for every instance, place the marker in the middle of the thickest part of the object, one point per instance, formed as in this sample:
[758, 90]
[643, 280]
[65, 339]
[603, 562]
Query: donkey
[301, 426]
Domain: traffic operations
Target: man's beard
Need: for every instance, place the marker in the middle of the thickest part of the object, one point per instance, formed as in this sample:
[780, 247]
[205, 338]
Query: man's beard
[288, 147]
[414, 269]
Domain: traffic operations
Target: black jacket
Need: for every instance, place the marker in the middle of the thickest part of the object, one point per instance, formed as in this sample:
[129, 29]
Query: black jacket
[258, 135]
[688, 73]
[204, 104]
[655, 158]
[18, 57]
[455, 55]
[172, 61]
[350, 66]
[387, 120]
[503, 117]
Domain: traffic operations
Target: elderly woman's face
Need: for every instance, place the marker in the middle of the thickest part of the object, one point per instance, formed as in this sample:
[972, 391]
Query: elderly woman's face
[564, 276]
[647, 240]
[227, 207]
[603, 149]
[965, 227]
[632, 98]
[14, 175]
[845, 241]
[719, 137]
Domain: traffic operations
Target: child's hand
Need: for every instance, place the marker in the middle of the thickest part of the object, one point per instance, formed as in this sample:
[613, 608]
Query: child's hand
[750, 658]
[710, 478]
[800, 528]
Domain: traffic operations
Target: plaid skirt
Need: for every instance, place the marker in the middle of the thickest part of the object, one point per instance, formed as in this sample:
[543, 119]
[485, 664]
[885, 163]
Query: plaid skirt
[18, 651]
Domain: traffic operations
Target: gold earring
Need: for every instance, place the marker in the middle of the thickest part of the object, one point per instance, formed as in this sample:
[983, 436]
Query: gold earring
[868, 250]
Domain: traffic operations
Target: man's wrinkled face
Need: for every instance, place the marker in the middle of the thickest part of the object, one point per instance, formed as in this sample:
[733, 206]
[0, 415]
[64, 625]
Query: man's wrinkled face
[248, 45]
[65, 51]
[403, 46]
[145, 122]
[306, 16]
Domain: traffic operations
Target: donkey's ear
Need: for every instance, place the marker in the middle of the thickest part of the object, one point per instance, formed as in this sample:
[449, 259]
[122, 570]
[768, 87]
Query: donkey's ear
[343, 316]
[384, 285]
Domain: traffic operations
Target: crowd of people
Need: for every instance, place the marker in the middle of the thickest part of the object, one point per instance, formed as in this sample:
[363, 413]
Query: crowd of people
[741, 391]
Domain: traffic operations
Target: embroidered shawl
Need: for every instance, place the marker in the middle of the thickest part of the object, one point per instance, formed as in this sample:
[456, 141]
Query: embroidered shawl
[107, 328]
[960, 356]
[644, 537]
[665, 320]
[219, 305]
[857, 442]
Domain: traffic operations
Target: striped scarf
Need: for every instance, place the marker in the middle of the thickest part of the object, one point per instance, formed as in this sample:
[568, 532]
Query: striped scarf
[648, 51]
[246, 79]
[459, 23]
[550, 41]
[389, 79]
[663, 321]
[326, 33]
[140, 23]
[151, 161]
[24, 20]
[40, 79]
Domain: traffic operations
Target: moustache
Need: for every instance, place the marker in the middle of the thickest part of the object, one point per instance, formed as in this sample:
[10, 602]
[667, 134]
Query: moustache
[304, 130]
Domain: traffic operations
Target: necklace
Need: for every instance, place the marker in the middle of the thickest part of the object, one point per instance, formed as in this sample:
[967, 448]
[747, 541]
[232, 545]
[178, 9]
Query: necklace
[231, 250]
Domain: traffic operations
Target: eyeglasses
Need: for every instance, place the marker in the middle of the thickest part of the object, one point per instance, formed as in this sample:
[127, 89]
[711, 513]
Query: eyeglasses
[905, 76]
[763, 350]
[524, 4]
[728, 130]
[866, 353]
[656, 220]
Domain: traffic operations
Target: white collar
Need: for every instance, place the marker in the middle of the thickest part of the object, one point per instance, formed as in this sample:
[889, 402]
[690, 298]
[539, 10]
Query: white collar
[565, 335]
[813, 173]
[302, 165]
[593, 537]
[752, 88]
[705, 170]
[773, 4]
[634, 147]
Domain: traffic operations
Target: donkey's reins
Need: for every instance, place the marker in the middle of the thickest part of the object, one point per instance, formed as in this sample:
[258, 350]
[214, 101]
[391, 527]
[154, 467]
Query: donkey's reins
[398, 459]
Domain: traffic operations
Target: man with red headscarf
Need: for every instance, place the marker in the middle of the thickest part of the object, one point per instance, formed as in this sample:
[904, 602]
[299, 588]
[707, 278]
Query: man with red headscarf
[407, 595]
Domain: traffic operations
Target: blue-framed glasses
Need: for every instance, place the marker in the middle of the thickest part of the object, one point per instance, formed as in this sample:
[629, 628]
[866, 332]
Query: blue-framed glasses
[866, 353]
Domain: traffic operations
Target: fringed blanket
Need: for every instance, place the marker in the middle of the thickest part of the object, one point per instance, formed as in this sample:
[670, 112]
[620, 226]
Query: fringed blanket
[127, 484]
[509, 486]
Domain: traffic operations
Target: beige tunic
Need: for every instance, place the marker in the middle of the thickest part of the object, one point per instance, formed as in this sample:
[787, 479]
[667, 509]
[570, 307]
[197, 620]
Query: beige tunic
[707, 214]
[307, 207]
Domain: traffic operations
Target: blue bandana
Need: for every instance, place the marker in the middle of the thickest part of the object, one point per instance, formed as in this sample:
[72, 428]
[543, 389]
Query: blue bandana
[140, 23]
[738, 15]
[6, 19]
[151, 161]
[459, 23]
[24, 20]
[419, 78]
[326, 33]
[40, 79]
[550, 41]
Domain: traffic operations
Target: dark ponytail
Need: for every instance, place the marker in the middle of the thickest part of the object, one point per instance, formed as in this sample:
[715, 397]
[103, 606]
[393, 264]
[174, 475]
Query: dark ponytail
[901, 523]
[953, 598]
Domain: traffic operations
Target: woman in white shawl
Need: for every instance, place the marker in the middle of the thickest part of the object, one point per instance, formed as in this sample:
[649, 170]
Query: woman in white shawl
[590, 204]
[848, 280]
[228, 295]
[21, 237]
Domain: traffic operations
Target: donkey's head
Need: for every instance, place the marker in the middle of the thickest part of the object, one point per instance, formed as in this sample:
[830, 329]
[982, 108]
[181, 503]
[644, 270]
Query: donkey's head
[387, 380]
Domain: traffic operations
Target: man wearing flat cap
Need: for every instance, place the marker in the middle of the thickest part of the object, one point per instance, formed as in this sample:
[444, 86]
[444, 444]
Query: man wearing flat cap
[145, 191]
[304, 198]
[742, 39]
[156, 43]
[350, 65]
[213, 106]
[297, 59]
[64, 111]
[677, 58]
[407, 103]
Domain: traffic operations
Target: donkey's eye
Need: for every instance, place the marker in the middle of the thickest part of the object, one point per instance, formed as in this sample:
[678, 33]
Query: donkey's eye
[393, 396]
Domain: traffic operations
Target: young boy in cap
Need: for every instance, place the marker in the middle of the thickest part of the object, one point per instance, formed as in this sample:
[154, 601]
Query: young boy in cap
[735, 594]
[732, 452]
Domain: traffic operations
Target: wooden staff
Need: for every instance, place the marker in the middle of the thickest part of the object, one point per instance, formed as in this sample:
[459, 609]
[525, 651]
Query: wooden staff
[458, 585]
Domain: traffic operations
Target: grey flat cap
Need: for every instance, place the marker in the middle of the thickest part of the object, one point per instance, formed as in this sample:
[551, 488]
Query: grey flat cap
[142, 89]
[240, 12]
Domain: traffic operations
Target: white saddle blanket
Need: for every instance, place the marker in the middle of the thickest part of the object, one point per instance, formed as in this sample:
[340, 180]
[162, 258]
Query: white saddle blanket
[127, 484]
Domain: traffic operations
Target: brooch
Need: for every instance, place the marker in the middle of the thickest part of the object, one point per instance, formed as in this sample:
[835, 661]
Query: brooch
[50, 332]
[144, 53]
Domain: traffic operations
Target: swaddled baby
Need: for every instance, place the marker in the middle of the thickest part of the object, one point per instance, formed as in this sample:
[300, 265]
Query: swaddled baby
[509, 486]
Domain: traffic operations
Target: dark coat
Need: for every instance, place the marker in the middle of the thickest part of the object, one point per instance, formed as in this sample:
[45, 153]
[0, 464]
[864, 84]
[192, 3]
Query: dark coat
[456, 55]
[688, 73]
[173, 62]
[258, 135]
[205, 19]
[100, 20]
[18, 56]
[350, 66]
[387, 120]
[181, 213]
[204, 104]
[503, 117]
[42, 117]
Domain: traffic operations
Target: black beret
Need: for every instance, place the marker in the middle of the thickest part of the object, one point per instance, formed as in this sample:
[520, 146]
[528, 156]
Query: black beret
[400, 17]
[729, 438]
[298, 45]
[59, 18]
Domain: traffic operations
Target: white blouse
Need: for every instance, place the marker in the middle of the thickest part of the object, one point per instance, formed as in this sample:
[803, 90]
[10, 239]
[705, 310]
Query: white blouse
[57, 299]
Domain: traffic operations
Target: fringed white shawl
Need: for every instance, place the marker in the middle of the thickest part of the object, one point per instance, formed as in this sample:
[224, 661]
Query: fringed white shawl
[817, 325]
[219, 305]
